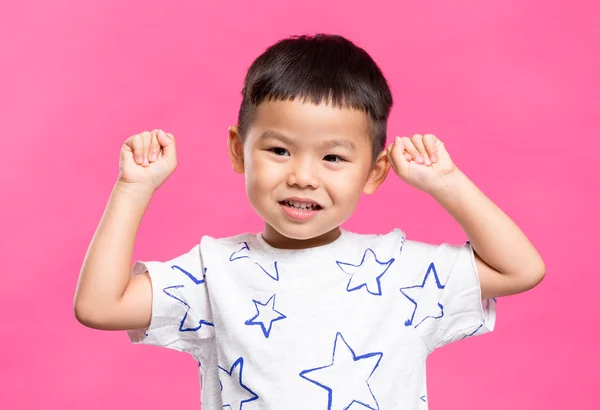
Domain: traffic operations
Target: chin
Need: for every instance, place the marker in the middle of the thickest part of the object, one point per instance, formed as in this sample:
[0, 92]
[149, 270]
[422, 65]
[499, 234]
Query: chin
[295, 230]
[301, 232]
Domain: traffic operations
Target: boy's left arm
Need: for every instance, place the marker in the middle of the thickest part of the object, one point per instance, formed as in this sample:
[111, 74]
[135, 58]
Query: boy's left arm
[506, 261]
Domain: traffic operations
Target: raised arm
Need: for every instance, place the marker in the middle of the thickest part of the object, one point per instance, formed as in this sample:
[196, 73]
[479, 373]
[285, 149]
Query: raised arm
[107, 297]
[506, 261]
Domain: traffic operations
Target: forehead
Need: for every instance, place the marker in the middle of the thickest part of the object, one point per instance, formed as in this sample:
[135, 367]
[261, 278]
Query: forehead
[309, 121]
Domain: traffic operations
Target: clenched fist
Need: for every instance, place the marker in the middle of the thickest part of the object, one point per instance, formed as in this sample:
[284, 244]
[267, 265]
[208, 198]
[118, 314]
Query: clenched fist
[421, 161]
[148, 159]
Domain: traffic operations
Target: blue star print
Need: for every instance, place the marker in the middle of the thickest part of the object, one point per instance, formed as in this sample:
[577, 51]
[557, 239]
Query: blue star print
[487, 312]
[190, 275]
[367, 273]
[425, 297]
[346, 379]
[233, 391]
[187, 324]
[265, 315]
[243, 254]
[473, 332]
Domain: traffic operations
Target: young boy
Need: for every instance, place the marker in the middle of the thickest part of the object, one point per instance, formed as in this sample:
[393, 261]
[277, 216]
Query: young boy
[307, 315]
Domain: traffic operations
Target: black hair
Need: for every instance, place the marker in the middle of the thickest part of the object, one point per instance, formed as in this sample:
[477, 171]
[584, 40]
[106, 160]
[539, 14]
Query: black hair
[321, 68]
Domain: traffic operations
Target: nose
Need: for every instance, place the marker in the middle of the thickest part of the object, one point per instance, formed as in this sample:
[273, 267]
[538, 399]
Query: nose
[304, 174]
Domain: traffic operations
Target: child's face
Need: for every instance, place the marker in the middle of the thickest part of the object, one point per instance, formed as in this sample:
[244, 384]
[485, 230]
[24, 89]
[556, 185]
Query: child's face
[306, 167]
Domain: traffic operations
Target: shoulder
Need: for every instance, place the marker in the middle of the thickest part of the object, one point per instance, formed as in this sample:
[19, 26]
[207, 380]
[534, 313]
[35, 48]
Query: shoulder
[426, 250]
[225, 246]
[233, 240]
[210, 244]
[394, 238]
[408, 251]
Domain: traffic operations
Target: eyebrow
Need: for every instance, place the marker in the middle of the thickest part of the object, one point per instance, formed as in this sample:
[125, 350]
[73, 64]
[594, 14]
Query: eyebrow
[270, 134]
[342, 143]
[328, 144]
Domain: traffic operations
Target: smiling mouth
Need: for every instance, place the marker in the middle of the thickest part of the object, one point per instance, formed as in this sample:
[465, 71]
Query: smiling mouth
[301, 205]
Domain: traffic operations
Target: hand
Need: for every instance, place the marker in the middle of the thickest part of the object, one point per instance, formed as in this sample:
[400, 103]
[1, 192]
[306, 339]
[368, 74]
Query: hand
[148, 159]
[421, 161]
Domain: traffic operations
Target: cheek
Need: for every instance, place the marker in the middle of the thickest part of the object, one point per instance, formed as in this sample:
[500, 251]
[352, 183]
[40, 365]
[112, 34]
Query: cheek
[260, 175]
[348, 186]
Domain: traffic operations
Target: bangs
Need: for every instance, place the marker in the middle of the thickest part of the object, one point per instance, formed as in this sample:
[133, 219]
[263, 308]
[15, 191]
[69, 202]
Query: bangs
[320, 69]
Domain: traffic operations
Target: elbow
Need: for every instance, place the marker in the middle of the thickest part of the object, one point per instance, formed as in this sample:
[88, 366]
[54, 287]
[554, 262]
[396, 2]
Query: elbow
[86, 315]
[534, 277]
[539, 277]
[82, 314]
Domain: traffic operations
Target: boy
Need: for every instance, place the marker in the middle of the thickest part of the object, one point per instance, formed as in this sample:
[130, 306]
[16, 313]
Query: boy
[307, 315]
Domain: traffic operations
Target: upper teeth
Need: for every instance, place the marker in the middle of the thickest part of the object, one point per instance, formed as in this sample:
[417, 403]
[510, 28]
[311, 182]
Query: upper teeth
[301, 205]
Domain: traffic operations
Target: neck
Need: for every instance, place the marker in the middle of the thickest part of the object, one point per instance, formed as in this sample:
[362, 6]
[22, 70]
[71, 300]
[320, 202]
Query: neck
[277, 240]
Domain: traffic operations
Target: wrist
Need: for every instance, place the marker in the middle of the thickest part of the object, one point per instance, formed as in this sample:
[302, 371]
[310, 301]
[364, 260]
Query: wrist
[133, 190]
[451, 187]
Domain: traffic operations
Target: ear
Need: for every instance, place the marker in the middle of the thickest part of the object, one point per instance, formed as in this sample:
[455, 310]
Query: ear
[236, 149]
[378, 173]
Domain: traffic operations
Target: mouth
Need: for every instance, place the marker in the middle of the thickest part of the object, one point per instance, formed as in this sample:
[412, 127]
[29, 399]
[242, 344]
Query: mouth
[298, 204]
[300, 209]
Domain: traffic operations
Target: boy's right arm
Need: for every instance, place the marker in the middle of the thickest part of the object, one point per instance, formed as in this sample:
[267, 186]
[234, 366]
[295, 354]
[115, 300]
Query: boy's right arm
[107, 296]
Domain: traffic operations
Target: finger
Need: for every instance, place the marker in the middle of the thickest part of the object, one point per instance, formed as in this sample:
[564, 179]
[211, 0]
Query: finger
[148, 145]
[154, 147]
[429, 140]
[406, 154]
[145, 141]
[412, 150]
[398, 151]
[167, 143]
[417, 140]
[389, 152]
[138, 148]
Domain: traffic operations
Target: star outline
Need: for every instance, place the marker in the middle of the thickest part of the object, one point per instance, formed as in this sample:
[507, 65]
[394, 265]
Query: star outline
[246, 247]
[250, 322]
[240, 362]
[182, 323]
[387, 265]
[355, 358]
[190, 275]
[431, 268]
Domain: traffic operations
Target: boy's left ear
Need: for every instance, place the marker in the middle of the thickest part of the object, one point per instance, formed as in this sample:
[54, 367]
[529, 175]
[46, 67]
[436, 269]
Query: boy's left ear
[378, 173]
[236, 149]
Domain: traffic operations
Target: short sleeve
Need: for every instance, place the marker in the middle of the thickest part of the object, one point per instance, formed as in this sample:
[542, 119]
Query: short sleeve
[446, 294]
[181, 314]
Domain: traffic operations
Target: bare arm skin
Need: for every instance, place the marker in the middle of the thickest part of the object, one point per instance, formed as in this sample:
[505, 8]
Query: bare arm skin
[107, 297]
[506, 261]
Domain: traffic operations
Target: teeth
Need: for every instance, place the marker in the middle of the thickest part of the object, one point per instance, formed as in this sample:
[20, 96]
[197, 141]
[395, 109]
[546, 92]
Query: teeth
[301, 205]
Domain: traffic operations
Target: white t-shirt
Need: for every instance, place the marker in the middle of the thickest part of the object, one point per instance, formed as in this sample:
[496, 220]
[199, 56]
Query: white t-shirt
[347, 325]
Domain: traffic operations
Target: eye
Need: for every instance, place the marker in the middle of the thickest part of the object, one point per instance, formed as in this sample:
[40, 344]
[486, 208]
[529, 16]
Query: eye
[333, 158]
[280, 151]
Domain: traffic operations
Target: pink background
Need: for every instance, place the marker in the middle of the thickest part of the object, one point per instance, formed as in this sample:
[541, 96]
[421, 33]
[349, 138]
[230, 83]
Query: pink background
[511, 87]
